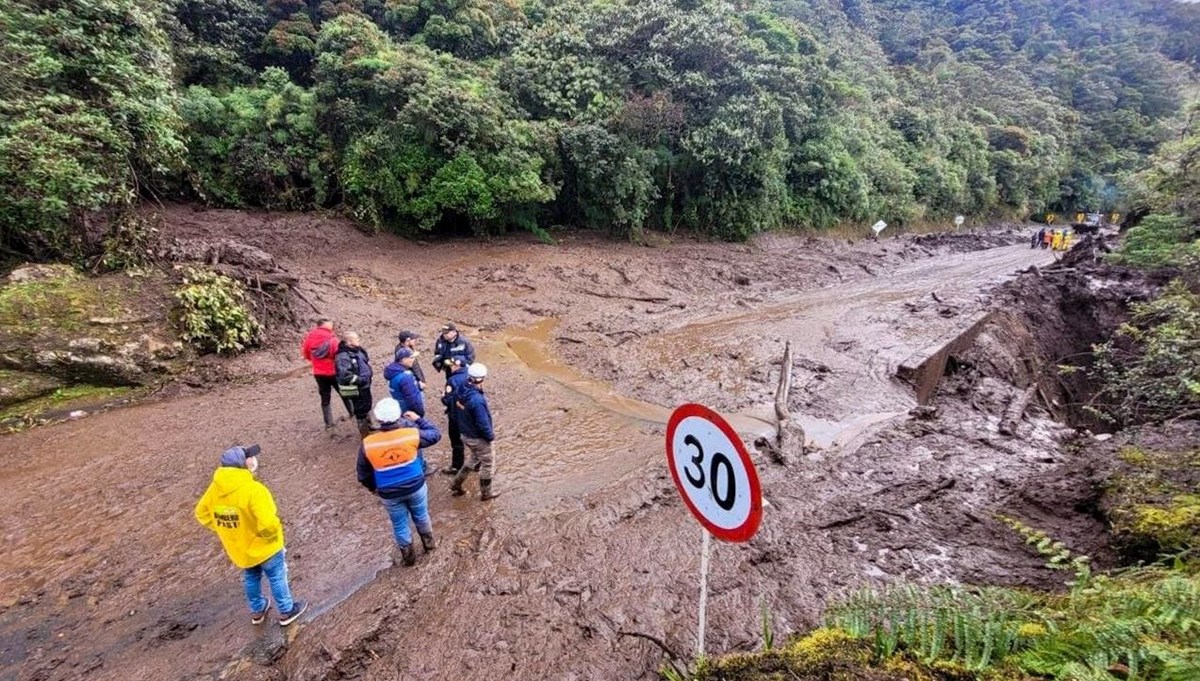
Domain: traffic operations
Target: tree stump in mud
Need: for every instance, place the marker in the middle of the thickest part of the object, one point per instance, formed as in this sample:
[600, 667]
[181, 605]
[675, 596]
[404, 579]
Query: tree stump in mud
[789, 434]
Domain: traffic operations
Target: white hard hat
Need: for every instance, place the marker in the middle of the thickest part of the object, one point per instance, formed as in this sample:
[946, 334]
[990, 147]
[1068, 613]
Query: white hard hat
[387, 410]
[477, 370]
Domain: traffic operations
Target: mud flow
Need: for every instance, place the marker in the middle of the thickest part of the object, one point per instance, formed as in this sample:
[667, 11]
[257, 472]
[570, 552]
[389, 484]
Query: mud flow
[590, 345]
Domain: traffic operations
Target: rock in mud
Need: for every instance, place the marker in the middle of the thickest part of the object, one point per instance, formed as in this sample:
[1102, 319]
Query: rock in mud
[109, 331]
[19, 386]
[217, 251]
[32, 273]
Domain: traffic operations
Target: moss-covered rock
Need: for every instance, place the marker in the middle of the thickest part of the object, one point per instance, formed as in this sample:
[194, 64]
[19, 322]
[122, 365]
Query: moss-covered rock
[63, 403]
[831, 654]
[112, 330]
[20, 386]
[1153, 503]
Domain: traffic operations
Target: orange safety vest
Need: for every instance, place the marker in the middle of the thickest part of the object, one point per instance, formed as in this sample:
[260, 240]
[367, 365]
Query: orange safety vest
[390, 449]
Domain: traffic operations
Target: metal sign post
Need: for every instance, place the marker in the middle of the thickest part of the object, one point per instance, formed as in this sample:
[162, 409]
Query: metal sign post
[705, 549]
[716, 478]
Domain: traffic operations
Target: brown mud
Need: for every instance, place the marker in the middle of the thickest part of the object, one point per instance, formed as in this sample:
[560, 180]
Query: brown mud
[107, 576]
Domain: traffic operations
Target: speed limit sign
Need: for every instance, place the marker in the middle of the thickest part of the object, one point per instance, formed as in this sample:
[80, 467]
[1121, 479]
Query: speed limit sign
[713, 473]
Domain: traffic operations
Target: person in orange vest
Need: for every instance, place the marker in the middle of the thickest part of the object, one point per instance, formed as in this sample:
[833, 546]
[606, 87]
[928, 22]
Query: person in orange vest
[391, 465]
[241, 511]
[1047, 238]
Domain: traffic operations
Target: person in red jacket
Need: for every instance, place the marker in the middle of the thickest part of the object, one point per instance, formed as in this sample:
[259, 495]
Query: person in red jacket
[318, 348]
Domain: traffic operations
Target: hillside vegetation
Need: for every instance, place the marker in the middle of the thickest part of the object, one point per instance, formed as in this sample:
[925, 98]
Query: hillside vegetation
[726, 118]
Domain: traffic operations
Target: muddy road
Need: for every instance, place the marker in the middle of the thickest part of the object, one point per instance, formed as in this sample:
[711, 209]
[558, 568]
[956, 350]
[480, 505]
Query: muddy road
[107, 576]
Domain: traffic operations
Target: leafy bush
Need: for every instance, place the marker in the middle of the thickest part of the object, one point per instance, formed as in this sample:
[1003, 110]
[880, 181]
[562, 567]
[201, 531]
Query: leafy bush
[129, 243]
[87, 117]
[1160, 241]
[422, 137]
[213, 313]
[1150, 369]
[257, 145]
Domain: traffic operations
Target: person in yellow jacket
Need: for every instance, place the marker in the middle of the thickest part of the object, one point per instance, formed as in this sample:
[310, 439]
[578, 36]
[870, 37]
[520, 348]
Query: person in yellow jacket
[1056, 243]
[242, 512]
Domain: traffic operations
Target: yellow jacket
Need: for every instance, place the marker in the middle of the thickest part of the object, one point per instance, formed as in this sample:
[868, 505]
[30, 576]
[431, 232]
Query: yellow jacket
[242, 513]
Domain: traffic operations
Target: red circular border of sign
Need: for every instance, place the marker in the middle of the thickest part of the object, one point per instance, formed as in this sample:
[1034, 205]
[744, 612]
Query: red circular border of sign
[746, 530]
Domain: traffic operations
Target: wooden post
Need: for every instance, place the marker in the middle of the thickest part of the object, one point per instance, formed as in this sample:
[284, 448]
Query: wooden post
[789, 435]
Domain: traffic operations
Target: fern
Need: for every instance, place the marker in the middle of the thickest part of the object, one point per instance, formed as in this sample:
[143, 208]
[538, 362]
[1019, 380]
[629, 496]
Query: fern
[1138, 625]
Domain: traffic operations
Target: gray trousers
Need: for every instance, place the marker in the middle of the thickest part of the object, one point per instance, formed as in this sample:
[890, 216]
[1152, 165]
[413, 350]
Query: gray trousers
[482, 455]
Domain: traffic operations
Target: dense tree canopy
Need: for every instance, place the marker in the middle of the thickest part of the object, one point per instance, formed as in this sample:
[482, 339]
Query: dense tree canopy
[628, 115]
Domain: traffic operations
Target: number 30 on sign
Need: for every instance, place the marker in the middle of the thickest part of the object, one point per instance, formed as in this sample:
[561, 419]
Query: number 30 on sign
[713, 473]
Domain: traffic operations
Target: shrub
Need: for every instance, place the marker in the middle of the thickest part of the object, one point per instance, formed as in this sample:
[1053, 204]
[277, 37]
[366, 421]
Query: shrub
[1150, 369]
[87, 117]
[213, 313]
[1160, 241]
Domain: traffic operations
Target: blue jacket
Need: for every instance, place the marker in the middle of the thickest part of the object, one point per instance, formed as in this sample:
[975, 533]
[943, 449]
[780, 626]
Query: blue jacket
[406, 478]
[474, 417]
[455, 383]
[403, 384]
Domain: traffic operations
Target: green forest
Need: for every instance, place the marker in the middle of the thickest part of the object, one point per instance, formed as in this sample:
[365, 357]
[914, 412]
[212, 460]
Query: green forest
[721, 118]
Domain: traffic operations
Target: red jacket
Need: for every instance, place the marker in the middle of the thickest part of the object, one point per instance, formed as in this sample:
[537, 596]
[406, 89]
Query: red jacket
[318, 348]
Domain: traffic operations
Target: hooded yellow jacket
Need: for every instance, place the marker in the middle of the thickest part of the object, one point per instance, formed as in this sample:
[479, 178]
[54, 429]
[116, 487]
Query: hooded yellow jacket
[242, 513]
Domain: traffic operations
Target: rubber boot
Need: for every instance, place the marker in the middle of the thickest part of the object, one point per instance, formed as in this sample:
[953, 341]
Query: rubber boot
[486, 493]
[456, 486]
[327, 412]
[428, 542]
[408, 555]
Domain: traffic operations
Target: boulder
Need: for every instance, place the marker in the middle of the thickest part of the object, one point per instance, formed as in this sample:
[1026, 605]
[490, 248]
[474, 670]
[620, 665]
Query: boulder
[19, 386]
[31, 273]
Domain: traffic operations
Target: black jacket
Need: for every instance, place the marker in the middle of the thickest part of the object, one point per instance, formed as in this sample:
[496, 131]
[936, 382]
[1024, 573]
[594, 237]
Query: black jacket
[444, 350]
[353, 366]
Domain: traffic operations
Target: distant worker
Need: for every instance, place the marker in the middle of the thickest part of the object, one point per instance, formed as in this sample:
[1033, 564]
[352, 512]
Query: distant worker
[242, 512]
[1066, 240]
[1038, 237]
[391, 466]
[1047, 238]
[318, 348]
[475, 423]
[354, 375]
[454, 383]
[408, 339]
[451, 344]
[1056, 243]
[402, 381]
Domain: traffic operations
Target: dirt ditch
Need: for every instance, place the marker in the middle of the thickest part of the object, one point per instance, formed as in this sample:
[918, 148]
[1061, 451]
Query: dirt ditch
[589, 550]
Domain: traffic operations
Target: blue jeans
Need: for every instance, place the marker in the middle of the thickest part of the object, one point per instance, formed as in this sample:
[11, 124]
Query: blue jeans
[275, 568]
[398, 510]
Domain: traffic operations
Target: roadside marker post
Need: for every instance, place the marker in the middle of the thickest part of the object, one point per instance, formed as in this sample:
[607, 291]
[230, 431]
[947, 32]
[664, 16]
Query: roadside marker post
[716, 478]
[878, 227]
